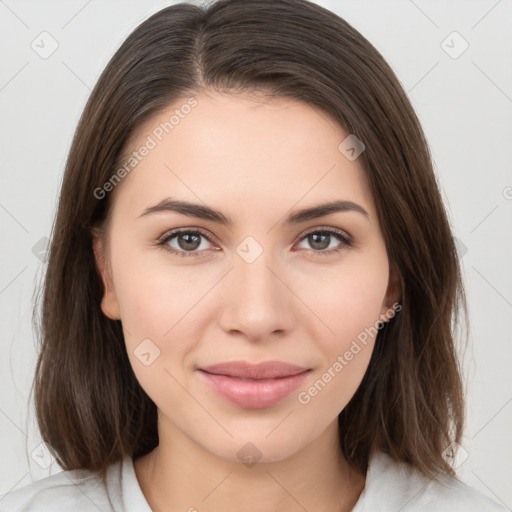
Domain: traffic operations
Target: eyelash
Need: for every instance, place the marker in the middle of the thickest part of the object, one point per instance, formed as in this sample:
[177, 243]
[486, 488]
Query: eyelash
[346, 241]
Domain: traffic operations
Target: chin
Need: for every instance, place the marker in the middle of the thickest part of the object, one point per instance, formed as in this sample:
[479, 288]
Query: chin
[252, 445]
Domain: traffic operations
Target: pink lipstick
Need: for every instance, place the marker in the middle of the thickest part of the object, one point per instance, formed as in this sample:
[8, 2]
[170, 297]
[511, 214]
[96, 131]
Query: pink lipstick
[254, 386]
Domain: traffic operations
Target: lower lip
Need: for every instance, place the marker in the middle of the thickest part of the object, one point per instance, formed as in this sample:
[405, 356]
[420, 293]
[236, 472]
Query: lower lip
[254, 394]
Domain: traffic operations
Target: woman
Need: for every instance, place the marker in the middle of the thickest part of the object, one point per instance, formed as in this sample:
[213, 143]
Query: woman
[252, 281]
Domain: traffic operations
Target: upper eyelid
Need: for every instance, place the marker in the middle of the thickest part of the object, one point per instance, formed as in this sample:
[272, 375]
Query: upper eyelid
[173, 232]
[211, 238]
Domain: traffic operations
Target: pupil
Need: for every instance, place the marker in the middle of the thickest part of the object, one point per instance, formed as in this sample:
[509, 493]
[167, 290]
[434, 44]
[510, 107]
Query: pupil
[323, 245]
[191, 241]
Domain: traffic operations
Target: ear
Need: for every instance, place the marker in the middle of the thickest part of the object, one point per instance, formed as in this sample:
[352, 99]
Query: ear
[109, 304]
[393, 294]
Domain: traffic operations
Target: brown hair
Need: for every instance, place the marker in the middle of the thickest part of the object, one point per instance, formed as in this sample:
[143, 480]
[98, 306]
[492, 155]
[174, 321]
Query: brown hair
[90, 407]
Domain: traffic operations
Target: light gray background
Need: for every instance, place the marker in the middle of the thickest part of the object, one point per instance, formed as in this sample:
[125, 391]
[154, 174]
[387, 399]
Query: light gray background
[464, 104]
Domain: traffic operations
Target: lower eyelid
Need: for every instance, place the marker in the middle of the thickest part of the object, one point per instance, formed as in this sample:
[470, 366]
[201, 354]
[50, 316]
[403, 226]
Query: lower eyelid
[165, 239]
[344, 239]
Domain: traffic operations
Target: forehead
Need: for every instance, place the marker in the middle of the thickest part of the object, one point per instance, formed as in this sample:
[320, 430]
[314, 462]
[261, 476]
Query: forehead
[230, 150]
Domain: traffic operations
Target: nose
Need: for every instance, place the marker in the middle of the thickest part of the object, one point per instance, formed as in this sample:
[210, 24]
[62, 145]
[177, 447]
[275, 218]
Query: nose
[258, 303]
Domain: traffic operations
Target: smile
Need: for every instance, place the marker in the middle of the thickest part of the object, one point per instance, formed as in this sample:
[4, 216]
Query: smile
[252, 393]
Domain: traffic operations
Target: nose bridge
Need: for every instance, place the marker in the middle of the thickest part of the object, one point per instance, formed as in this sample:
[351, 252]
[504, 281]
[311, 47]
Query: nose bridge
[256, 276]
[257, 301]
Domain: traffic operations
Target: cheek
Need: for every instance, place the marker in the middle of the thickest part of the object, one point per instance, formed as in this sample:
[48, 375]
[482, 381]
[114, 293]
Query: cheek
[347, 299]
[156, 299]
[347, 303]
[161, 308]
[160, 329]
[345, 354]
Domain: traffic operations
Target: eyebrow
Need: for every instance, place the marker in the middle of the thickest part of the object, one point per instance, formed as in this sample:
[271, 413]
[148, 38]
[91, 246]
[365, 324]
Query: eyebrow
[206, 213]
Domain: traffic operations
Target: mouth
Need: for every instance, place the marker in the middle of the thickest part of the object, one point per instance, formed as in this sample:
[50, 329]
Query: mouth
[253, 386]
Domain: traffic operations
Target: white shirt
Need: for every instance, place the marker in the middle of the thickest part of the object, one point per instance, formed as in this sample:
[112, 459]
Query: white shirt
[390, 487]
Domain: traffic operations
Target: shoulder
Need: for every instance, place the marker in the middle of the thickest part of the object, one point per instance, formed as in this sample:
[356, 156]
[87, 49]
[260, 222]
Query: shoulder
[81, 488]
[392, 486]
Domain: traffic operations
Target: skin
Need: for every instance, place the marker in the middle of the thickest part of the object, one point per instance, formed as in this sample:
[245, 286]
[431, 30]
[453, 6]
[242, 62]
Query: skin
[256, 161]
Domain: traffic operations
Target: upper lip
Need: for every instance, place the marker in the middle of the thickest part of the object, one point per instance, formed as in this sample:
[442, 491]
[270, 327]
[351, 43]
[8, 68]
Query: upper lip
[247, 370]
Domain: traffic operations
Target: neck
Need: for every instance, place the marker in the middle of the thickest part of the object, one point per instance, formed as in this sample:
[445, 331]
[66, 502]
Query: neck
[181, 475]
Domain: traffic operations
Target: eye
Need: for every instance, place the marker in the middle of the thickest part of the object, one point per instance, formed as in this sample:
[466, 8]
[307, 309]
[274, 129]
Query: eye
[321, 239]
[186, 242]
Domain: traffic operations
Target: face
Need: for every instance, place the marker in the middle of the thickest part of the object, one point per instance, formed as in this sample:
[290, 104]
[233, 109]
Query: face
[194, 290]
